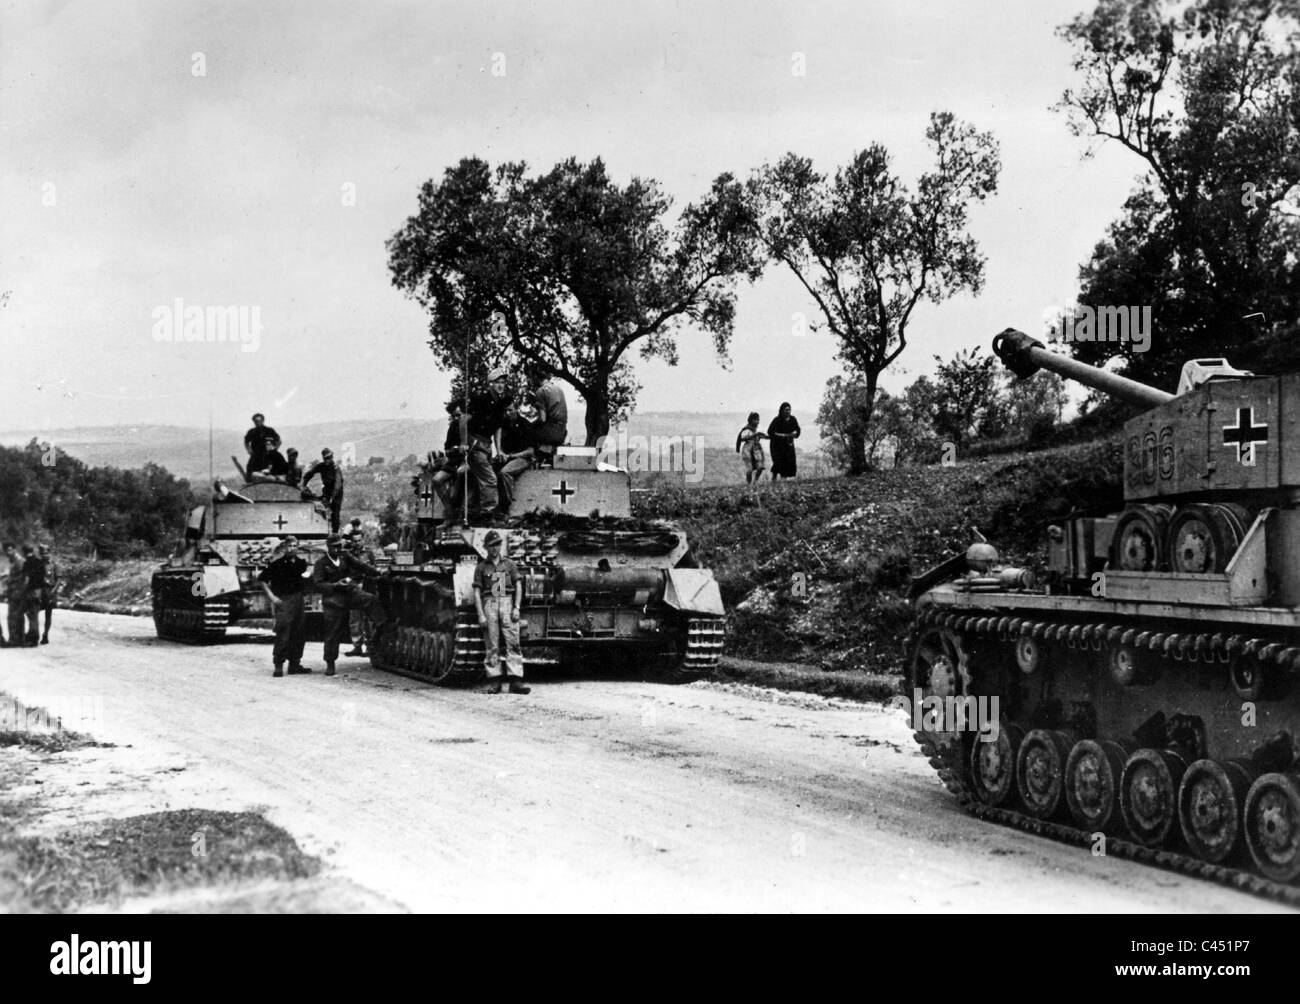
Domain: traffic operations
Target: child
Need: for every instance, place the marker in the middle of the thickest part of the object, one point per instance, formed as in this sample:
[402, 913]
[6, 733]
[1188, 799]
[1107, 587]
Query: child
[749, 444]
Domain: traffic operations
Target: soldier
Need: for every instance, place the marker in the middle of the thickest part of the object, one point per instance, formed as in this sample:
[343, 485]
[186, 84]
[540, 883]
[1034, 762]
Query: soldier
[259, 441]
[486, 414]
[498, 593]
[284, 582]
[354, 538]
[335, 577]
[15, 595]
[34, 575]
[293, 469]
[552, 426]
[331, 484]
[453, 456]
[50, 596]
[516, 455]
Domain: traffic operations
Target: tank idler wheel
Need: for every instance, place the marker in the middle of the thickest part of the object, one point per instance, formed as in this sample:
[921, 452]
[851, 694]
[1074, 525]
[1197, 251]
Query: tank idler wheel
[1149, 794]
[1092, 780]
[1040, 771]
[993, 764]
[1272, 824]
[1210, 802]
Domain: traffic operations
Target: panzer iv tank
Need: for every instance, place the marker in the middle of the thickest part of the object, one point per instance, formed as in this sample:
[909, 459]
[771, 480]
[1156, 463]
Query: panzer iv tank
[1143, 699]
[212, 583]
[594, 585]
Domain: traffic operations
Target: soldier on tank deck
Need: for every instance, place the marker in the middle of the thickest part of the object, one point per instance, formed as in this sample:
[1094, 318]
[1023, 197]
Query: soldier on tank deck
[338, 576]
[260, 441]
[284, 583]
[331, 484]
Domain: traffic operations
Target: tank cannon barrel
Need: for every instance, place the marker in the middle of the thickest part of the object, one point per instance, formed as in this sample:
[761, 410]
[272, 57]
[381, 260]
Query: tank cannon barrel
[1025, 356]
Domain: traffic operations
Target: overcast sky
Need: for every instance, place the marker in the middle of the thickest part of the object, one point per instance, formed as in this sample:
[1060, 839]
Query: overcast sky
[128, 180]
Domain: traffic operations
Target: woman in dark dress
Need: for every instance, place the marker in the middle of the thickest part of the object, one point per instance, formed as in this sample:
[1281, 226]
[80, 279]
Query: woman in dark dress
[783, 431]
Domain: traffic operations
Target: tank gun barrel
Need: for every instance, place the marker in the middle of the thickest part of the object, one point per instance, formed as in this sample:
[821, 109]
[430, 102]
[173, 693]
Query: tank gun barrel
[1025, 356]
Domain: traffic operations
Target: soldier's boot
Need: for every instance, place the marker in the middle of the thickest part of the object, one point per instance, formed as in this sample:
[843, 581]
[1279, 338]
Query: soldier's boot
[45, 639]
[279, 670]
[493, 686]
[519, 687]
[297, 669]
[329, 669]
[356, 650]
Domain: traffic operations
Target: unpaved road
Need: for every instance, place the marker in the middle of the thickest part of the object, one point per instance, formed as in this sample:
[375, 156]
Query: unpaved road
[588, 794]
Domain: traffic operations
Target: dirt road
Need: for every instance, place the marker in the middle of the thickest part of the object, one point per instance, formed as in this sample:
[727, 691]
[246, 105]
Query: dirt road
[614, 795]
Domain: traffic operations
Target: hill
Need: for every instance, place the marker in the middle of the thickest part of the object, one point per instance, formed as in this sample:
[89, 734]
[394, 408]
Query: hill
[858, 541]
[183, 450]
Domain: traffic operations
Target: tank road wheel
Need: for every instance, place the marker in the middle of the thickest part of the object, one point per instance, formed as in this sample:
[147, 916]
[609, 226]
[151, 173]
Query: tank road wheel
[1148, 794]
[1139, 541]
[1210, 802]
[1204, 537]
[1092, 779]
[1273, 826]
[993, 765]
[1040, 771]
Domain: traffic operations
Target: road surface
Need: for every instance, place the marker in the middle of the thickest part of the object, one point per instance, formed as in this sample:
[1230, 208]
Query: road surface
[586, 795]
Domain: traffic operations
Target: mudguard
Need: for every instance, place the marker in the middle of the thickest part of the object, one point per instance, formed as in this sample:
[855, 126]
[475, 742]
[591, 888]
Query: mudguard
[218, 580]
[693, 590]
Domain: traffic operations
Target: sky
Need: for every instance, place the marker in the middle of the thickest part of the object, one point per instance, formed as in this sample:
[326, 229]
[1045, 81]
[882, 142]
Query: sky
[258, 155]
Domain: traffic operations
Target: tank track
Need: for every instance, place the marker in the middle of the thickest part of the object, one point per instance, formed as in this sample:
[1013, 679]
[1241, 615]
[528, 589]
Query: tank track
[193, 625]
[949, 760]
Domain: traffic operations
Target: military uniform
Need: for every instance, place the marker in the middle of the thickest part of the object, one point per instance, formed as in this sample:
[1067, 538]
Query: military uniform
[487, 413]
[338, 597]
[552, 428]
[34, 599]
[331, 487]
[495, 581]
[285, 576]
[49, 596]
[16, 598]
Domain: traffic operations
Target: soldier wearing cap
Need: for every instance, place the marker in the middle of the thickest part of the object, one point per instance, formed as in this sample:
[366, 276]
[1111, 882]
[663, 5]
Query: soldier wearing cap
[487, 413]
[331, 484]
[261, 441]
[337, 576]
[498, 594]
[284, 582]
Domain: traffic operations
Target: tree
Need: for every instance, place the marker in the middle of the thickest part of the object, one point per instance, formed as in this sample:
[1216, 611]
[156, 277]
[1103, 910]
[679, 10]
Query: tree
[840, 420]
[966, 396]
[867, 251]
[1205, 96]
[565, 274]
[1033, 406]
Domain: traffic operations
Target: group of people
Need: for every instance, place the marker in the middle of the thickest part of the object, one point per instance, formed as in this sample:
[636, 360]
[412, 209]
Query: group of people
[340, 576]
[31, 588]
[492, 439]
[267, 463]
[782, 431]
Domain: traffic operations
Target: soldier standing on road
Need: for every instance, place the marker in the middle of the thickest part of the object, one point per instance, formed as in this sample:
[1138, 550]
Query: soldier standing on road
[284, 583]
[15, 595]
[354, 537]
[50, 596]
[335, 576]
[34, 575]
[331, 484]
[498, 594]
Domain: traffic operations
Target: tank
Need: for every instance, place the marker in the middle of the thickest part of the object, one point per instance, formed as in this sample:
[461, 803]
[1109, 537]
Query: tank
[599, 586]
[1140, 700]
[212, 584]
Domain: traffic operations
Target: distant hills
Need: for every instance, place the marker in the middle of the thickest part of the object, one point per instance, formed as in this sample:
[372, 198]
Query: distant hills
[183, 450]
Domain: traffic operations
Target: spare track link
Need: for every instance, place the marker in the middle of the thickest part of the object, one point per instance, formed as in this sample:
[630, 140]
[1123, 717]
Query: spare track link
[950, 763]
[704, 637]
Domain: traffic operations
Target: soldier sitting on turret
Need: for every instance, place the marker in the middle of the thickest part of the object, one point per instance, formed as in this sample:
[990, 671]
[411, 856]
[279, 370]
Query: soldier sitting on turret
[261, 441]
[517, 453]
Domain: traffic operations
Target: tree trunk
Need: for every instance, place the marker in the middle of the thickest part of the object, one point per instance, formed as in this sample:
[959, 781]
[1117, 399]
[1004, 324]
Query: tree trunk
[858, 439]
[597, 417]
